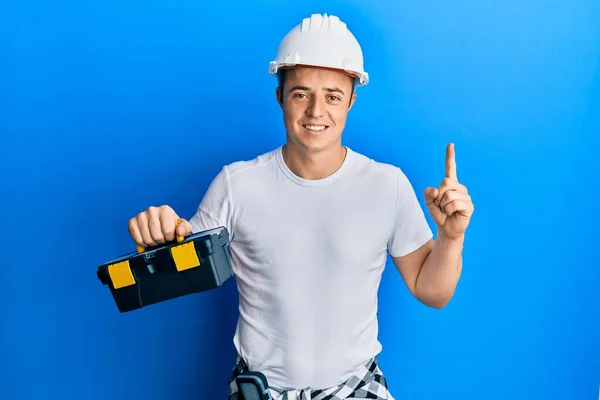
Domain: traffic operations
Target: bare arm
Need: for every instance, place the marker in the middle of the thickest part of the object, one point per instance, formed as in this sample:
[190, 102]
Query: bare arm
[431, 273]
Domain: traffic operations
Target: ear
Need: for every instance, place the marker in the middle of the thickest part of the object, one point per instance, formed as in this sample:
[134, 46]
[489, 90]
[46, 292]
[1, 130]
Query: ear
[278, 96]
[352, 100]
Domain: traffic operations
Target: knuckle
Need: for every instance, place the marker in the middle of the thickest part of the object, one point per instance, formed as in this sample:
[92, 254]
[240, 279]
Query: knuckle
[449, 196]
[141, 217]
[168, 231]
[164, 209]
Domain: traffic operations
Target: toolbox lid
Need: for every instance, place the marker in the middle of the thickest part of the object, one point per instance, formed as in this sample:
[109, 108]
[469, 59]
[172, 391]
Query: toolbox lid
[205, 246]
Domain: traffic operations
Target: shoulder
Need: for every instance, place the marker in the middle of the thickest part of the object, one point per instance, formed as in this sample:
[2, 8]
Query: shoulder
[373, 168]
[241, 168]
[383, 174]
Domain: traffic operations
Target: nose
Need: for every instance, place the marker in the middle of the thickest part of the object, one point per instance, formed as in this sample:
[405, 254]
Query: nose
[316, 107]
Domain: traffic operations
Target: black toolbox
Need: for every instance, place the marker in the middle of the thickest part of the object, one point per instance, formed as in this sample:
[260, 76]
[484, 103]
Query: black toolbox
[191, 264]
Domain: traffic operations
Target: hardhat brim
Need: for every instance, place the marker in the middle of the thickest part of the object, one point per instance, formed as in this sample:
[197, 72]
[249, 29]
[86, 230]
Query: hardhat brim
[362, 78]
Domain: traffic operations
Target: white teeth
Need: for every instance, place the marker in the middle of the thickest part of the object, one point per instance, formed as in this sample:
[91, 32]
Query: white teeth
[315, 128]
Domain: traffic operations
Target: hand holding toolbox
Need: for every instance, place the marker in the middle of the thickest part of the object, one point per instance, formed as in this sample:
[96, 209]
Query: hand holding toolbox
[186, 265]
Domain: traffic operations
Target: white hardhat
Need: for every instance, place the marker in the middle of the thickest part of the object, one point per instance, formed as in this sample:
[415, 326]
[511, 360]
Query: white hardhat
[321, 41]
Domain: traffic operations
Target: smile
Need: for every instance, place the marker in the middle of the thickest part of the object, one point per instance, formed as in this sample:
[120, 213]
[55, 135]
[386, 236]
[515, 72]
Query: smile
[315, 128]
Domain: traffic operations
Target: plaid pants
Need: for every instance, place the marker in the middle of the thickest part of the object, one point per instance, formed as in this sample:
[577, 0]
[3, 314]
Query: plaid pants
[368, 383]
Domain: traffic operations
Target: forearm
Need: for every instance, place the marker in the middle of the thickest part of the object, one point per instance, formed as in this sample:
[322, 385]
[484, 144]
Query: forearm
[440, 272]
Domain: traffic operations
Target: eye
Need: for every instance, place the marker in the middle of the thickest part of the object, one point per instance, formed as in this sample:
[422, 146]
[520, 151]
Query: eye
[299, 96]
[334, 98]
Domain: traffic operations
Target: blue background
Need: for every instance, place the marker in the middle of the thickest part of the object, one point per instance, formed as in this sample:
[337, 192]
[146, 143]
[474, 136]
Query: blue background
[108, 107]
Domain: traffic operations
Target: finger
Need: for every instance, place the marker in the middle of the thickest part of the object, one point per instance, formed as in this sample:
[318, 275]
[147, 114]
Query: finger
[436, 213]
[452, 195]
[462, 207]
[452, 184]
[450, 162]
[134, 231]
[447, 185]
[184, 228]
[430, 195]
[168, 219]
[142, 224]
[155, 226]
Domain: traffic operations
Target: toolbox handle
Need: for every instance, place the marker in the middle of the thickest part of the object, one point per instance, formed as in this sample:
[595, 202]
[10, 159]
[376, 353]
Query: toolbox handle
[179, 238]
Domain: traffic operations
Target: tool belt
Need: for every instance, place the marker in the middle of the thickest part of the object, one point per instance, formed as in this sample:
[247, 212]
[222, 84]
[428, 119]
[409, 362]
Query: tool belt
[252, 385]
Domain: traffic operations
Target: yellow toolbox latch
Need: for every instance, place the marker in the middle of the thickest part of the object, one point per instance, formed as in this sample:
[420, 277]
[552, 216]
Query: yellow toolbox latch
[185, 256]
[121, 275]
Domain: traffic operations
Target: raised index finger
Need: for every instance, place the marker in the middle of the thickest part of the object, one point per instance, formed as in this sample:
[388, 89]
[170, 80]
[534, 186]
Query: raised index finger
[450, 162]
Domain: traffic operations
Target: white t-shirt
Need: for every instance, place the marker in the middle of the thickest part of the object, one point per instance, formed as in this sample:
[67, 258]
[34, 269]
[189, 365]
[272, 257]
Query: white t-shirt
[308, 256]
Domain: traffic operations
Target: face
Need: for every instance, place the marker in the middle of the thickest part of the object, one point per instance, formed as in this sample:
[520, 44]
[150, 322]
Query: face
[315, 103]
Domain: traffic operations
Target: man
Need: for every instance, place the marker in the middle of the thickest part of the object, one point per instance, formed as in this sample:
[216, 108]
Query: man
[311, 225]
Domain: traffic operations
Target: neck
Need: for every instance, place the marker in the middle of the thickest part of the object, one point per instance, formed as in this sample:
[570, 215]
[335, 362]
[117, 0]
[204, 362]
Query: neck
[314, 165]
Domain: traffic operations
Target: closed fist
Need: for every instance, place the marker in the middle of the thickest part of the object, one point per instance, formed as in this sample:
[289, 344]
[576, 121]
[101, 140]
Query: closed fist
[157, 225]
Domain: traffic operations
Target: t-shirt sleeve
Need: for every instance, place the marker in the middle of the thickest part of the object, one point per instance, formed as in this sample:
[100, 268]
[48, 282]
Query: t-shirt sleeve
[410, 230]
[216, 208]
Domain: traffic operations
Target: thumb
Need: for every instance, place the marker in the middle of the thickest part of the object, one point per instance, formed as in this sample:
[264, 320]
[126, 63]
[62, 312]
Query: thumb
[183, 227]
[430, 195]
[436, 213]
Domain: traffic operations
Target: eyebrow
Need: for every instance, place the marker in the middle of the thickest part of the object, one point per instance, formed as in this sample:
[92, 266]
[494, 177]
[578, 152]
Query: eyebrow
[306, 88]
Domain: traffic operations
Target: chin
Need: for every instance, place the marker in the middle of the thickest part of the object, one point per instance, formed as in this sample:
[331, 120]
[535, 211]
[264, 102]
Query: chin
[315, 146]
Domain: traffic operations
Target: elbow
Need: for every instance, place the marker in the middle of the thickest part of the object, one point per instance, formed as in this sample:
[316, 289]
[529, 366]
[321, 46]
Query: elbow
[438, 303]
[435, 299]
[437, 293]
